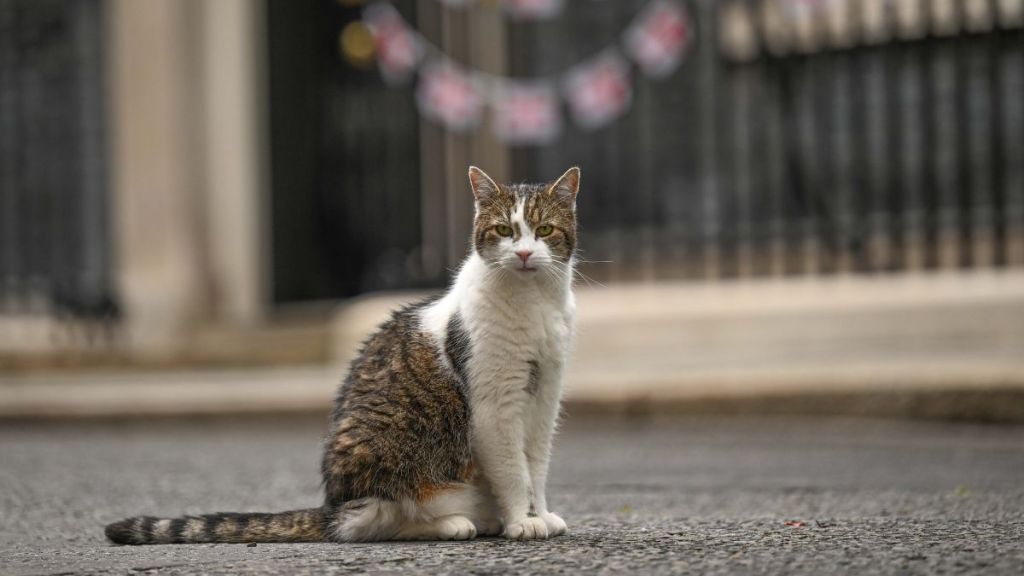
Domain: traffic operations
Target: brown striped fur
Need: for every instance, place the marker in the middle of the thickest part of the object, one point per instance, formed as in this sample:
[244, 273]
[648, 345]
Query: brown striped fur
[400, 427]
[295, 526]
[401, 424]
[399, 430]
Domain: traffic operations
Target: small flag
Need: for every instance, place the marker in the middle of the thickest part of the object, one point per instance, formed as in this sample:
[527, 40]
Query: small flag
[527, 113]
[533, 8]
[659, 36]
[599, 91]
[447, 95]
[398, 48]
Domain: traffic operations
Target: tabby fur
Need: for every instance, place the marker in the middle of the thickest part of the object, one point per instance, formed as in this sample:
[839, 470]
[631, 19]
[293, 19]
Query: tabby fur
[443, 427]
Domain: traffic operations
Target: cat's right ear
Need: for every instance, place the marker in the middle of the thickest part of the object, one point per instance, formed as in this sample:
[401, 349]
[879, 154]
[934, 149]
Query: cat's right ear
[481, 184]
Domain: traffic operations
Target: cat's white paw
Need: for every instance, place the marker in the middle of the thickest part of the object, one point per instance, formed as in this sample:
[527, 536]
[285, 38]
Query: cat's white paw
[556, 526]
[488, 527]
[455, 528]
[532, 528]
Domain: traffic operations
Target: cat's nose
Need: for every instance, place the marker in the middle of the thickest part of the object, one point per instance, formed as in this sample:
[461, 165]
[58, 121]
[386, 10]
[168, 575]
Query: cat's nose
[524, 255]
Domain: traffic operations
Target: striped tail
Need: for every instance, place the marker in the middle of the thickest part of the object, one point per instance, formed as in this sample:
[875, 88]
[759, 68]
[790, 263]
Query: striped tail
[294, 526]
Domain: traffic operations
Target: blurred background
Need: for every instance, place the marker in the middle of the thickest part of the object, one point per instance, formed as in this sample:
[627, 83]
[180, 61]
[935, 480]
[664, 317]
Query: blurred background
[812, 206]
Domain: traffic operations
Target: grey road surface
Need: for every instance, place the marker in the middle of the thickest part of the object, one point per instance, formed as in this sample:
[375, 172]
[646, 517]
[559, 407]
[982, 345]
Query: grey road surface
[682, 495]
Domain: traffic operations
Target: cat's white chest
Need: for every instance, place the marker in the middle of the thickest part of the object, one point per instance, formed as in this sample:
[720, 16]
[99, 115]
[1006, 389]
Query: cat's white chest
[551, 331]
[514, 337]
[516, 332]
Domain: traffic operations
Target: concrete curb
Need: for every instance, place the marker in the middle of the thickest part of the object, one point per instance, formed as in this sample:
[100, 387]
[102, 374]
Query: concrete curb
[940, 346]
[311, 390]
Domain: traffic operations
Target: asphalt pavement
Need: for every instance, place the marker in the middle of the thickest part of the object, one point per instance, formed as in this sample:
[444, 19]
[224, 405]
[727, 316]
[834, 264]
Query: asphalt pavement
[670, 495]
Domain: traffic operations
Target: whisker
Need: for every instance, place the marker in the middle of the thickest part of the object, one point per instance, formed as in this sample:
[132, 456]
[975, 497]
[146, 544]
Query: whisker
[588, 279]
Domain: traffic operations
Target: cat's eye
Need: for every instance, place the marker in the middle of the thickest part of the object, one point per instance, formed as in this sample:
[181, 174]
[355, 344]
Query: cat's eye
[503, 230]
[544, 230]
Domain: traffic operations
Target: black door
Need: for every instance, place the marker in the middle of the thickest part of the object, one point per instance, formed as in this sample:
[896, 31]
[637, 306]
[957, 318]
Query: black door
[345, 206]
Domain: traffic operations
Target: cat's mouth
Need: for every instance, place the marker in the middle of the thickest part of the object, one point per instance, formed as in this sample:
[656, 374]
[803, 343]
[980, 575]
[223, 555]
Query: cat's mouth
[526, 269]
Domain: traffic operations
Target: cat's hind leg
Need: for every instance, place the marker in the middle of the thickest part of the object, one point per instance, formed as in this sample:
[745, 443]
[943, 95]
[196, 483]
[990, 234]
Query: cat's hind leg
[453, 527]
[375, 520]
[448, 513]
[367, 520]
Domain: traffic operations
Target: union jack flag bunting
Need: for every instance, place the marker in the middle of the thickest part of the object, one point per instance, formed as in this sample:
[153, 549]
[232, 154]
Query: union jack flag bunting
[449, 96]
[599, 91]
[658, 38]
[398, 47]
[519, 8]
[533, 8]
[527, 113]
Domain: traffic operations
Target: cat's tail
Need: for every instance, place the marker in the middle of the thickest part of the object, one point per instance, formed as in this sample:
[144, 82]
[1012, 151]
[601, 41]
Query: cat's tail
[308, 525]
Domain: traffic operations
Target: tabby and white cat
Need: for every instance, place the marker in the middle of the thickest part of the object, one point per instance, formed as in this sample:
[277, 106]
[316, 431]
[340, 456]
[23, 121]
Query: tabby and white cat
[443, 428]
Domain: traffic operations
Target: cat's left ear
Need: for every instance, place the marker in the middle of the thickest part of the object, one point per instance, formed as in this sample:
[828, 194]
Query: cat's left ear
[568, 185]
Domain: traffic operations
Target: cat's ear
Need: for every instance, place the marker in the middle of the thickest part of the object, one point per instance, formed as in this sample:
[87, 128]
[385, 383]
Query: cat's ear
[568, 185]
[481, 184]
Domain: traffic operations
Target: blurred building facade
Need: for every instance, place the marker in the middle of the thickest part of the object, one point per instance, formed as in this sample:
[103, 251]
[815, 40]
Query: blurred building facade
[174, 164]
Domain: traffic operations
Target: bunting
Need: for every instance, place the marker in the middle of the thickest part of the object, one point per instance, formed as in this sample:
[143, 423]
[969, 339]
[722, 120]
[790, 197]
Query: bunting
[657, 40]
[599, 91]
[535, 9]
[449, 96]
[527, 113]
[596, 91]
[399, 48]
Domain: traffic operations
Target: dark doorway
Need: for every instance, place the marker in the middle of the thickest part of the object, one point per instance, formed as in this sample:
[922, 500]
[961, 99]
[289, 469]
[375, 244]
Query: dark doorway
[345, 153]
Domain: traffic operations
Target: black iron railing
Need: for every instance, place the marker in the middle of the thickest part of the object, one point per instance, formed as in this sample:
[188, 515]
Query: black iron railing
[893, 151]
[54, 241]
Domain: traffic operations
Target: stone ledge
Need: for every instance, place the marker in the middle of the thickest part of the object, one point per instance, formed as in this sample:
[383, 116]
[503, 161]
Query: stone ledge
[945, 345]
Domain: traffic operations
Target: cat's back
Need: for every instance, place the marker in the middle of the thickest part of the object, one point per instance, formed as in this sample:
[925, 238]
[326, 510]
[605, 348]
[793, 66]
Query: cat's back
[401, 415]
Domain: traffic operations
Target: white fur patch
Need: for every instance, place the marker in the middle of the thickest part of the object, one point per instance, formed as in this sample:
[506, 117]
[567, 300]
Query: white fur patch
[162, 529]
[373, 519]
[515, 321]
[194, 529]
[518, 217]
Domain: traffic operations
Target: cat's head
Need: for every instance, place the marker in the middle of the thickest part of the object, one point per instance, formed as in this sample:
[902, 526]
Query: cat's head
[525, 228]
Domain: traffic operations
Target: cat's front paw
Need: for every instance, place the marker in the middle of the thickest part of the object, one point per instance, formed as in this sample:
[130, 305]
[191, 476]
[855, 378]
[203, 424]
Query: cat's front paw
[556, 526]
[532, 528]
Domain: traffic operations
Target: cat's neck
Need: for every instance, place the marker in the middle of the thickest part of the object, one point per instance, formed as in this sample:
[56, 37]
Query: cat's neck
[483, 294]
[476, 276]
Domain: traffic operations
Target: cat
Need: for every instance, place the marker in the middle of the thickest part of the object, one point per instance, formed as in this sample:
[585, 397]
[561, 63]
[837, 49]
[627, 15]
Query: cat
[443, 428]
